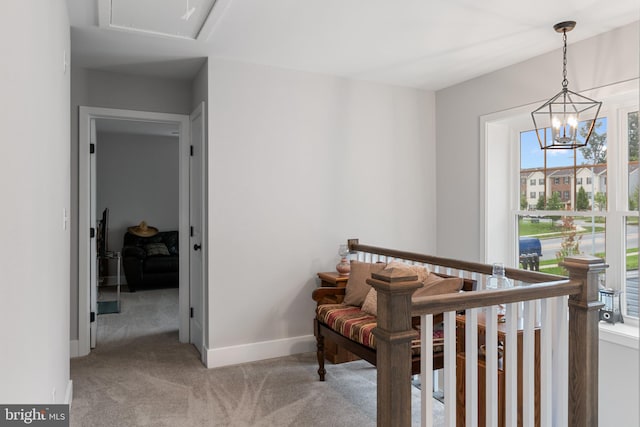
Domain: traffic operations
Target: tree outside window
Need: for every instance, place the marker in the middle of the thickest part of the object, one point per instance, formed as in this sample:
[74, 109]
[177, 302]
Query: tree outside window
[582, 201]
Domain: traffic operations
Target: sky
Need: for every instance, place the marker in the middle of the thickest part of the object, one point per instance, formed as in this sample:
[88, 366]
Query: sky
[531, 156]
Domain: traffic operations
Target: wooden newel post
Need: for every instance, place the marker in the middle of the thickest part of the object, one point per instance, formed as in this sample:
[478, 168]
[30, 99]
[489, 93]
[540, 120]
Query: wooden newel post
[584, 340]
[393, 345]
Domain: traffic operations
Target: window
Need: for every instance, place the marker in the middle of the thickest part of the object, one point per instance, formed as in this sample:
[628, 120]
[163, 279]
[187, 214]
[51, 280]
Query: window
[541, 181]
[532, 195]
[600, 218]
[541, 194]
[532, 182]
[589, 213]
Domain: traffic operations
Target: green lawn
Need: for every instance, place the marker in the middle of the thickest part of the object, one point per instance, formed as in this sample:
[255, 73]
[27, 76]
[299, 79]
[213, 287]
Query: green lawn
[551, 265]
[547, 230]
[531, 229]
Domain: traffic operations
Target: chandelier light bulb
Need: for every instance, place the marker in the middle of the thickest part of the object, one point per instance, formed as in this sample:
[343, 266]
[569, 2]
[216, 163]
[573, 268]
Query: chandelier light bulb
[564, 128]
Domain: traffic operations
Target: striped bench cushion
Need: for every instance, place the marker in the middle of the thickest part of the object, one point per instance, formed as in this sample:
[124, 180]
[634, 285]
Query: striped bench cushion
[357, 325]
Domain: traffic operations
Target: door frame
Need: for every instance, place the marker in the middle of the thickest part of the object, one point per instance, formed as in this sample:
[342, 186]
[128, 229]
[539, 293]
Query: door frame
[197, 280]
[86, 114]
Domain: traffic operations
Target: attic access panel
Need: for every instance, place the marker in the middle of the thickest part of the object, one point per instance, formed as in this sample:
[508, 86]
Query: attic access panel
[182, 19]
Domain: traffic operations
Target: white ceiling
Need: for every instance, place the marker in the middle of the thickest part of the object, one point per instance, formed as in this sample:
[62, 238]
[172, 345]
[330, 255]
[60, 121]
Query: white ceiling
[429, 44]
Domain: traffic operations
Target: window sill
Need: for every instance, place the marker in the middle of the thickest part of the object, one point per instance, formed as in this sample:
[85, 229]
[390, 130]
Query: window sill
[620, 333]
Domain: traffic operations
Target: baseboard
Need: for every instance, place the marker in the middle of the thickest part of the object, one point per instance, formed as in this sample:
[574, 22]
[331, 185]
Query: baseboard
[225, 356]
[74, 348]
[68, 394]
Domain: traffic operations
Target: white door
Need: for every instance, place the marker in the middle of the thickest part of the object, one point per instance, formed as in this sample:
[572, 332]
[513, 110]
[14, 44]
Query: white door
[93, 252]
[197, 233]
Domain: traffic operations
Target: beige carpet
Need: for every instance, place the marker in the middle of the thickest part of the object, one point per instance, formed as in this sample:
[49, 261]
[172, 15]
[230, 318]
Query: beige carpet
[140, 375]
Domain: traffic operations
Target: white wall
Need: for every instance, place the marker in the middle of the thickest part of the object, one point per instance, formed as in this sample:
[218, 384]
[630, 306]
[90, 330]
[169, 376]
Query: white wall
[34, 184]
[298, 163]
[619, 380]
[137, 179]
[114, 90]
[610, 58]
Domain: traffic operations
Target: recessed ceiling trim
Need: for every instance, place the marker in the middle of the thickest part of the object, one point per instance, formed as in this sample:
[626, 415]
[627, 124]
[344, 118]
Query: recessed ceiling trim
[106, 20]
[218, 10]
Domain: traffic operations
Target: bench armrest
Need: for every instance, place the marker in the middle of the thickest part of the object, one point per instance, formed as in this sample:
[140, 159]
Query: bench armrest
[328, 295]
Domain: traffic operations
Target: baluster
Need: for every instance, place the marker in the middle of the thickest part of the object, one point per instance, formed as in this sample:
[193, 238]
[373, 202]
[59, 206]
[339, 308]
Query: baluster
[471, 366]
[491, 360]
[528, 365]
[426, 369]
[510, 364]
[560, 358]
[546, 393]
[450, 368]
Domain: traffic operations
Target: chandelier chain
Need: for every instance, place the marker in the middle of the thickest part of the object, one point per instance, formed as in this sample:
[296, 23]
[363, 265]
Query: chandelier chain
[565, 82]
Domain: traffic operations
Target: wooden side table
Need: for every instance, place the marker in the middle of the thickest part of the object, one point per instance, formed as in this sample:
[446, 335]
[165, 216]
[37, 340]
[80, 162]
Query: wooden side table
[460, 373]
[332, 352]
[332, 278]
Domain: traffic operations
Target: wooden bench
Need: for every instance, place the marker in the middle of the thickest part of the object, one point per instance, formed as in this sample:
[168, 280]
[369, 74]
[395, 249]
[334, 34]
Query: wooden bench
[334, 296]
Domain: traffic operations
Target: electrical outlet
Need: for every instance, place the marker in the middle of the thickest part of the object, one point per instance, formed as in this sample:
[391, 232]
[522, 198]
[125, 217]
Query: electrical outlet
[65, 219]
[53, 395]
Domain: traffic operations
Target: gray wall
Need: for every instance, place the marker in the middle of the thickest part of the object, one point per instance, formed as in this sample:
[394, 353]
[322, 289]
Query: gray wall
[114, 90]
[298, 163]
[34, 186]
[137, 179]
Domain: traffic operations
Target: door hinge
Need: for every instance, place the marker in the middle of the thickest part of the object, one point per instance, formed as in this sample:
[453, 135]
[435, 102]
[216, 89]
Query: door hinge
[92, 232]
[191, 312]
[92, 317]
[92, 148]
[191, 231]
[191, 149]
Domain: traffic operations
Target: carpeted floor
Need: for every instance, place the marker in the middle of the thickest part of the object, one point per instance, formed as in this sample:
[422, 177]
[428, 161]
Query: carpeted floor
[140, 375]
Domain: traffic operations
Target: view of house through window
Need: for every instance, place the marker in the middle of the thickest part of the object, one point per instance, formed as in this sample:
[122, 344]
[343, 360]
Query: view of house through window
[565, 207]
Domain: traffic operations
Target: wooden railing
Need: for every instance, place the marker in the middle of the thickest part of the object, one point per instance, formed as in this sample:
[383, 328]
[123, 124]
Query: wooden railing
[568, 329]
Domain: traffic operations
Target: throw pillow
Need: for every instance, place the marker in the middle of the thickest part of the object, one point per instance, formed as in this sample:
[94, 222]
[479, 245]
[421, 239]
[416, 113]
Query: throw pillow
[421, 271]
[357, 287]
[436, 285]
[153, 249]
[370, 304]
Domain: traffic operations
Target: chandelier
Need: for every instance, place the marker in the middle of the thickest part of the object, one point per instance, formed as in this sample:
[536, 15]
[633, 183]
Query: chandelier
[557, 121]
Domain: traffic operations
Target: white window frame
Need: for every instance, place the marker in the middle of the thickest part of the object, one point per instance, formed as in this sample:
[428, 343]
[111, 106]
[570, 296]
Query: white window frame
[503, 130]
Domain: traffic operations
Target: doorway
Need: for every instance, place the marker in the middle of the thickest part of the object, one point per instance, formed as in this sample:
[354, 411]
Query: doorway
[87, 310]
